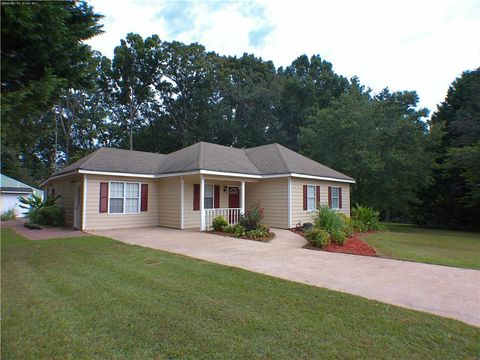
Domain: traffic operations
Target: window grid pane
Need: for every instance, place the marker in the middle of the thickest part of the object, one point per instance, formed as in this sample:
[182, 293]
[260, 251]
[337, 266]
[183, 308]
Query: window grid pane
[208, 190]
[132, 190]
[116, 206]
[311, 203]
[131, 205]
[208, 202]
[116, 190]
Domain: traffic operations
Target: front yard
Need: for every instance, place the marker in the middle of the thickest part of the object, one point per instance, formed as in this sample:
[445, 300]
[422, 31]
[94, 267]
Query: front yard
[92, 297]
[442, 247]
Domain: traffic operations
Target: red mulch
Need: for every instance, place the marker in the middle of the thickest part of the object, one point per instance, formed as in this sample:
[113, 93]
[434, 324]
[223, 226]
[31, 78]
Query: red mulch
[353, 245]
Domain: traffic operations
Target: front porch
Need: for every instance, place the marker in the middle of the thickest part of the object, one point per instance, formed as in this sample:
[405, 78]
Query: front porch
[211, 191]
[212, 196]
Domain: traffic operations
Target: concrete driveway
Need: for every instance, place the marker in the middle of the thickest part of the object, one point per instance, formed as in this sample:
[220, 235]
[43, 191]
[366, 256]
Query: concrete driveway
[441, 290]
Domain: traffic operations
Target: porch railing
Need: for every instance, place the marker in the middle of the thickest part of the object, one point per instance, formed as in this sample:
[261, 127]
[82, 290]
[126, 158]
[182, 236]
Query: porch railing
[230, 214]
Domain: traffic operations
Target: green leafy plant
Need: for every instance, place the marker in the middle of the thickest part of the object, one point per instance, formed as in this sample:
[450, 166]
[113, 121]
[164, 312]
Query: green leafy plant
[252, 219]
[219, 223]
[35, 202]
[258, 233]
[239, 230]
[52, 215]
[317, 237]
[332, 222]
[366, 218]
[8, 215]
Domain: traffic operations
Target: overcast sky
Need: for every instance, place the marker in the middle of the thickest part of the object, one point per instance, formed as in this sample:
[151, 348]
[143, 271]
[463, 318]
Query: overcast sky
[405, 45]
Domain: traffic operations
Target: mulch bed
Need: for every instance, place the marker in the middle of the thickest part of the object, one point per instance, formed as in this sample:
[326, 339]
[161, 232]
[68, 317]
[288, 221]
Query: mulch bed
[353, 245]
[264, 239]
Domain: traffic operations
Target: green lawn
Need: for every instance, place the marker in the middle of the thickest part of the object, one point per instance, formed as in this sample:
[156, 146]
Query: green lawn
[443, 247]
[93, 297]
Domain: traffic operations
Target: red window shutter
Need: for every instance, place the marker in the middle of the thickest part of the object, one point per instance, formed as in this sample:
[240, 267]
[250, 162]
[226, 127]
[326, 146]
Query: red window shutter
[144, 198]
[317, 196]
[103, 197]
[216, 196]
[340, 197]
[330, 197]
[196, 196]
[305, 197]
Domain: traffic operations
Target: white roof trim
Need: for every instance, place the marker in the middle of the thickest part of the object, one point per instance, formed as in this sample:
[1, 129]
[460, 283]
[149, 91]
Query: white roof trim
[322, 178]
[203, 172]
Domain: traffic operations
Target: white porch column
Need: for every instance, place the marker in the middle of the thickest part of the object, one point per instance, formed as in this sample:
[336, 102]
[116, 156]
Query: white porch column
[202, 203]
[182, 202]
[242, 197]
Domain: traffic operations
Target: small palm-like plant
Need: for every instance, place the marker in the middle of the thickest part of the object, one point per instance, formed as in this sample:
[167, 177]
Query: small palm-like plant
[35, 202]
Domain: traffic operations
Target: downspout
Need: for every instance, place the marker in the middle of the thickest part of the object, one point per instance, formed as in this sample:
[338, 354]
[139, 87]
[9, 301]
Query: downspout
[84, 203]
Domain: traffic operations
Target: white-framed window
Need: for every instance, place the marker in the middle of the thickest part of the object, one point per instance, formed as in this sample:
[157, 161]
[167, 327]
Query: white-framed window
[311, 198]
[209, 196]
[335, 197]
[124, 197]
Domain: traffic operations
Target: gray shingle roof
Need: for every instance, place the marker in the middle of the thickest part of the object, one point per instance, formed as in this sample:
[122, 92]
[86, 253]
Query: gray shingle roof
[118, 160]
[277, 159]
[269, 159]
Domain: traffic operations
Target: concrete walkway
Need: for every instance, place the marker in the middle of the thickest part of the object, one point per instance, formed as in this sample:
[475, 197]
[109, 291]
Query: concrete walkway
[441, 290]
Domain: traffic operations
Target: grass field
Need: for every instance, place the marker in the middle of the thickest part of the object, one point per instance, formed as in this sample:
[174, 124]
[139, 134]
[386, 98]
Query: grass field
[93, 297]
[443, 247]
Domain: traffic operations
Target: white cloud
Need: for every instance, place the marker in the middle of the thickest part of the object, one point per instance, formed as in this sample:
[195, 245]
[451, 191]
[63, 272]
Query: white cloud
[408, 45]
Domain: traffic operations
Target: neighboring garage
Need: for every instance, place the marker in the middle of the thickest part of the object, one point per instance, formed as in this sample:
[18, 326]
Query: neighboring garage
[10, 190]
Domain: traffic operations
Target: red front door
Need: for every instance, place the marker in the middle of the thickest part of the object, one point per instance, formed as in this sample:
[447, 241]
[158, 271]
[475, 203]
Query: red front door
[233, 203]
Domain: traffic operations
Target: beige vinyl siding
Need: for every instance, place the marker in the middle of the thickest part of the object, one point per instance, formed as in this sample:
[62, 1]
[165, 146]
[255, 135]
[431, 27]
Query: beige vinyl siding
[65, 187]
[302, 216]
[272, 196]
[169, 202]
[101, 221]
[191, 219]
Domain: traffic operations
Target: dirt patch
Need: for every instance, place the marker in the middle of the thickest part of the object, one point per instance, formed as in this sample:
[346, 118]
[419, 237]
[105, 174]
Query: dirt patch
[263, 239]
[353, 245]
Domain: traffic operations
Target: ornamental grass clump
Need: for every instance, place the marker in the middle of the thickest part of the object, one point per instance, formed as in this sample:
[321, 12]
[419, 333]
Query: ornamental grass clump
[332, 222]
[366, 218]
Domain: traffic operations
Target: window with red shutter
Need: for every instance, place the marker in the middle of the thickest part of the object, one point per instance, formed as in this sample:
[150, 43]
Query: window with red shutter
[330, 197]
[305, 197]
[103, 203]
[196, 197]
[318, 196]
[144, 198]
[216, 197]
[339, 197]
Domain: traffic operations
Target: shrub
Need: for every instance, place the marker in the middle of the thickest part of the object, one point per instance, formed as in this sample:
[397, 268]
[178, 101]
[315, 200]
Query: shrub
[35, 202]
[331, 221]
[257, 233]
[229, 229]
[239, 230]
[317, 237]
[348, 227]
[50, 215]
[252, 219]
[366, 218]
[8, 215]
[219, 223]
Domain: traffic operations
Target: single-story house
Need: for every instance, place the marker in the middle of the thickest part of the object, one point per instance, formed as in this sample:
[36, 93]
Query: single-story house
[11, 190]
[186, 189]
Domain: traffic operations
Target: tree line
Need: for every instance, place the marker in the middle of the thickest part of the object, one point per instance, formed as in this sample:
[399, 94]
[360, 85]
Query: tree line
[62, 100]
